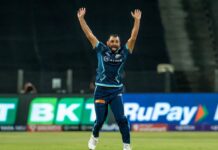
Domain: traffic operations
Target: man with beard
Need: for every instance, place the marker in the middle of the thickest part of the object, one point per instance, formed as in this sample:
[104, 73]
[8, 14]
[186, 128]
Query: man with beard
[108, 85]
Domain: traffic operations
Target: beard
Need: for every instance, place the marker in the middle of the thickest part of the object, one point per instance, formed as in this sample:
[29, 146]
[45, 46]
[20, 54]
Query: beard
[114, 48]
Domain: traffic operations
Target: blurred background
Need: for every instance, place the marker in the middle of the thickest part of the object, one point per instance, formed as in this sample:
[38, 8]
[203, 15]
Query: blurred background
[41, 42]
[171, 79]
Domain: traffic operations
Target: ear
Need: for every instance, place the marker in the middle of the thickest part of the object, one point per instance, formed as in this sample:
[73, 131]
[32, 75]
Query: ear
[107, 42]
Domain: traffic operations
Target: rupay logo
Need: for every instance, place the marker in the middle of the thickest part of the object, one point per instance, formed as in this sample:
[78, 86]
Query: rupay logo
[181, 114]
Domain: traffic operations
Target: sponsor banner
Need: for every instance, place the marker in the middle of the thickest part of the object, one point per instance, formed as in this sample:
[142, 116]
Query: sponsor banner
[184, 128]
[202, 127]
[12, 128]
[86, 127]
[149, 127]
[214, 128]
[172, 109]
[69, 111]
[110, 127]
[7, 128]
[8, 110]
[105, 127]
[89, 112]
[48, 111]
[42, 110]
[20, 128]
[43, 128]
[71, 128]
[182, 112]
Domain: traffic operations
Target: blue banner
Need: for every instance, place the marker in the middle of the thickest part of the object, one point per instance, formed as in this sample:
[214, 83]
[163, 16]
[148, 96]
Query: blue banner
[172, 109]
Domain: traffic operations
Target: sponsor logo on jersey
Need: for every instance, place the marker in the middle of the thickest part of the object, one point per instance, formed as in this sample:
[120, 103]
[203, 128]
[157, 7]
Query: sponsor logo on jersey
[108, 59]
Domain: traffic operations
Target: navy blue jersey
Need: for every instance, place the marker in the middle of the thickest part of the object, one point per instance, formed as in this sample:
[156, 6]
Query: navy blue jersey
[110, 65]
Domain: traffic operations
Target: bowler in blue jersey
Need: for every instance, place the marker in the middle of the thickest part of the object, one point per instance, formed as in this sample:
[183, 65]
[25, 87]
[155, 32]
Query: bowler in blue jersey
[109, 86]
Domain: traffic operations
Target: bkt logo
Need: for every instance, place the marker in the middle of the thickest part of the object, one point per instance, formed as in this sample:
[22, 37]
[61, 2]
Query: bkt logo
[164, 111]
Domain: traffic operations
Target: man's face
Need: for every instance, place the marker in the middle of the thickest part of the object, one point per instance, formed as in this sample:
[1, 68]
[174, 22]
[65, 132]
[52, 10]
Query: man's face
[113, 43]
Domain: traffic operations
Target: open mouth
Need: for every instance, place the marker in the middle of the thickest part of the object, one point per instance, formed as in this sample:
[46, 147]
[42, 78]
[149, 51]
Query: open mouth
[114, 48]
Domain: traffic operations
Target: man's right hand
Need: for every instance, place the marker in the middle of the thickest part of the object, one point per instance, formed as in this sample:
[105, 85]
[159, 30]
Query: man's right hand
[81, 13]
[136, 14]
[91, 37]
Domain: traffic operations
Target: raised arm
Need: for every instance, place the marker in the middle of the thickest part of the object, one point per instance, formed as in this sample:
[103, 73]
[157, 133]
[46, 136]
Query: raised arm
[91, 37]
[131, 41]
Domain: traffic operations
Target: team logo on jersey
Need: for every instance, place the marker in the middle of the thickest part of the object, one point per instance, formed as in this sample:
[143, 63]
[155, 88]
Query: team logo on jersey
[117, 56]
[106, 58]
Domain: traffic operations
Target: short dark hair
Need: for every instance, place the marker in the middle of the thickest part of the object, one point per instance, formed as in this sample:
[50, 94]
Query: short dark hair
[113, 35]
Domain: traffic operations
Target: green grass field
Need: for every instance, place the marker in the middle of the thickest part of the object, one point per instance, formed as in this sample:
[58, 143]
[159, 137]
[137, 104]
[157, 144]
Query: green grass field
[109, 141]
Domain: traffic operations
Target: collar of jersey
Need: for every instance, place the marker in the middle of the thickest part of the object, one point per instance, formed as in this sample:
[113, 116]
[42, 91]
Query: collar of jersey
[115, 51]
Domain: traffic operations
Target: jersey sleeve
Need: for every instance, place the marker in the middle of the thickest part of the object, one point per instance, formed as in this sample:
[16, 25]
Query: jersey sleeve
[100, 47]
[126, 49]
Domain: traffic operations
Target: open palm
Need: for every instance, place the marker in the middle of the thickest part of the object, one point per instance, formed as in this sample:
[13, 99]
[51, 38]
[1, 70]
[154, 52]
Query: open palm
[81, 12]
[136, 14]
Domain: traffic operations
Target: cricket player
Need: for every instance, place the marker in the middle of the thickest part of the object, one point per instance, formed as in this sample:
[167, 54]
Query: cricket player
[108, 91]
